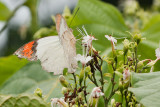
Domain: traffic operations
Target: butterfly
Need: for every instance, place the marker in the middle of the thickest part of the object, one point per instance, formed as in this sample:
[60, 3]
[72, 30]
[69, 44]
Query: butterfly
[54, 52]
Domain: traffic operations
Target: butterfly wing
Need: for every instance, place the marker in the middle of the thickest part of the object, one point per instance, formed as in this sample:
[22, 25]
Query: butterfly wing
[68, 42]
[51, 54]
[27, 51]
[54, 52]
[48, 50]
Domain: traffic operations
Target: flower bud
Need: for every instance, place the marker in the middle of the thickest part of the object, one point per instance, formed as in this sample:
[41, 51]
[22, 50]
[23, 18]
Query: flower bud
[94, 97]
[81, 76]
[58, 102]
[150, 64]
[126, 75]
[126, 44]
[120, 85]
[140, 64]
[74, 105]
[137, 38]
[113, 102]
[38, 92]
[81, 95]
[87, 70]
[65, 90]
[63, 81]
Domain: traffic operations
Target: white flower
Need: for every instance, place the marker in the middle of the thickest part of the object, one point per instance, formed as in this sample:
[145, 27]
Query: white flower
[58, 102]
[96, 92]
[158, 53]
[126, 75]
[83, 59]
[87, 40]
[112, 39]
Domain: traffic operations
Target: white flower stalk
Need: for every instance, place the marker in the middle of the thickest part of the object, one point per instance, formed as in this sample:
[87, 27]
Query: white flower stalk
[87, 40]
[157, 51]
[113, 41]
[83, 59]
[58, 102]
[95, 94]
[126, 75]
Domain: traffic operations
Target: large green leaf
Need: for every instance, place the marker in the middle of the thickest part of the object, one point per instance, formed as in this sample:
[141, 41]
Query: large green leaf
[24, 100]
[152, 34]
[4, 12]
[99, 19]
[27, 79]
[9, 65]
[146, 87]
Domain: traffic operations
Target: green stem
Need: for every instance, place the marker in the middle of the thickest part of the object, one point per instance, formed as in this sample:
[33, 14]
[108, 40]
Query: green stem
[75, 81]
[102, 80]
[85, 96]
[10, 17]
[126, 98]
[32, 5]
[136, 59]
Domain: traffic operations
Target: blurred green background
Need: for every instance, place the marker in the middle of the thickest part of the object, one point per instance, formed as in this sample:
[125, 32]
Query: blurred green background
[25, 20]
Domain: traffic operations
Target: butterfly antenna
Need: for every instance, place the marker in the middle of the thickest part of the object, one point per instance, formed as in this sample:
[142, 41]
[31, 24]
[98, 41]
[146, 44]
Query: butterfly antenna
[80, 31]
[74, 16]
[122, 38]
[84, 30]
[79, 43]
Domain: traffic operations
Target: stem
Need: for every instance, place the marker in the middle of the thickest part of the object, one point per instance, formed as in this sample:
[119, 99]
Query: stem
[124, 60]
[32, 4]
[136, 59]
[10, 17]
[112, 93]
[75, 81]
[113, 84]
[85, 90]
[102, 80]
[126, 98]
[93, 74]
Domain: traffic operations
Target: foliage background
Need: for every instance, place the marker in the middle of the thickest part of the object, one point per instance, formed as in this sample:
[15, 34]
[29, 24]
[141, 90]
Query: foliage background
[19, 76]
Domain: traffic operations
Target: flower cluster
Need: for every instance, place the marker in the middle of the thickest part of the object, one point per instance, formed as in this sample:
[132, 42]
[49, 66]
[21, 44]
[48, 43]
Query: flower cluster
[76, 94]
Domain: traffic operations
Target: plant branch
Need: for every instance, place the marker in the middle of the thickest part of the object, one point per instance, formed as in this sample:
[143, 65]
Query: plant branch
[75, 81]
[85, 91]
[136, 59]
[10, 17]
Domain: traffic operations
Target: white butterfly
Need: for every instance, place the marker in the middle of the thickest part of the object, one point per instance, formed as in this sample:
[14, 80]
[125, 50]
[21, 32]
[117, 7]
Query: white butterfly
[54, 52]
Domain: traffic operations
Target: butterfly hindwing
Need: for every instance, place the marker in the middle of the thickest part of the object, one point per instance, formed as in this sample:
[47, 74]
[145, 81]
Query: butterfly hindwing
[27, 51]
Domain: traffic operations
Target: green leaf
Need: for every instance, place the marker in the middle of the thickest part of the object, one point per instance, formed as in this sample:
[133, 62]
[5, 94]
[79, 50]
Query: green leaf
[27, 79]
[151, 32]
[31, 76]
[146, 87]
[45, 32]
[99, 19]
[24, 100]
[9, 65]
[4, 12]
